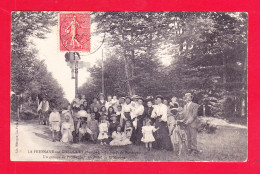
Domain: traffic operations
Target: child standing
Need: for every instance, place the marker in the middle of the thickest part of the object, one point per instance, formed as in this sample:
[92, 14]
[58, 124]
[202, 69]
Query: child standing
[103, 130]
[54, 121]
[93, 126]
[147, 131]
[66, 130]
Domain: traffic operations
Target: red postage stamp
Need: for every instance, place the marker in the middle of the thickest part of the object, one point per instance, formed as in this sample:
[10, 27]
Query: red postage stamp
[74, 31]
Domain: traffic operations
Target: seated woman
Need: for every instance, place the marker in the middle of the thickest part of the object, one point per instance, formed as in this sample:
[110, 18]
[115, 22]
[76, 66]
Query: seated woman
[119, 138]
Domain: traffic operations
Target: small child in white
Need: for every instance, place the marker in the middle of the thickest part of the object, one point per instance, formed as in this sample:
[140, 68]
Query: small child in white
[54, 121]
[103, 130]
[147, 131]
[66, 130]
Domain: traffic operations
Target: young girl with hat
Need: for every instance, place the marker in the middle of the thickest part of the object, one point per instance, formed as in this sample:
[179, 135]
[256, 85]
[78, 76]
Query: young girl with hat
[66, 130]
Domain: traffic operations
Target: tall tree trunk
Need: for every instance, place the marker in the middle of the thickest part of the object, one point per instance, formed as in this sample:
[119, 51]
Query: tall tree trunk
[224, 72]
[127, 74]
[132, 63]
[132, 70]
[126, 63]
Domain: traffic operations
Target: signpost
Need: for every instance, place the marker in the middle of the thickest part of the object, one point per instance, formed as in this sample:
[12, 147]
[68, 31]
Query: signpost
[72, 59]
[74, 35]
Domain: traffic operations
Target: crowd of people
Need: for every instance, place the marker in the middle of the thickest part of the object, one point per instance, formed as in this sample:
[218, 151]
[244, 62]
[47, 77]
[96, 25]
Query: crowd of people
[155, 122]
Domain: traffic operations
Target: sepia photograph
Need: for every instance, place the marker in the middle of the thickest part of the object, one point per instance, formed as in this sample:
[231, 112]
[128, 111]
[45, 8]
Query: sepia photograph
[129, 86]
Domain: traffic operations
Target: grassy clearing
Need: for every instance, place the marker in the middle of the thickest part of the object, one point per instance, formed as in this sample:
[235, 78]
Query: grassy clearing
[226, 144]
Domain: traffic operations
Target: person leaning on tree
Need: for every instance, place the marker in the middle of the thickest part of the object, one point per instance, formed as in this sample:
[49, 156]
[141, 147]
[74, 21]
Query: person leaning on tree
[190, 113]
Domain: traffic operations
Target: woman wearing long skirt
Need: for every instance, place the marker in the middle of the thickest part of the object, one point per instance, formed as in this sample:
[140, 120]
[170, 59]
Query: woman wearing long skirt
[162, 140]
[137, 117]
[126, 110]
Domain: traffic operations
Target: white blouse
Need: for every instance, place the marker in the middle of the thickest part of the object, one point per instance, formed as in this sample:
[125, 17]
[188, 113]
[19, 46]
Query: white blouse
[160, 110]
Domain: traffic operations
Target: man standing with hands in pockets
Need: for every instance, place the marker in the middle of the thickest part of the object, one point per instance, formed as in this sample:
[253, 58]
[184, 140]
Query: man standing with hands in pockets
[190, 113]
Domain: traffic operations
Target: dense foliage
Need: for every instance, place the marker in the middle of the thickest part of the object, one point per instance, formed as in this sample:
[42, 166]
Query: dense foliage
[29, 75]
[207, 54]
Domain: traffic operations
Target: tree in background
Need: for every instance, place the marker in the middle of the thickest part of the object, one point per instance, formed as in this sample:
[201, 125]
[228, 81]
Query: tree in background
[29, 75]
[207, 51]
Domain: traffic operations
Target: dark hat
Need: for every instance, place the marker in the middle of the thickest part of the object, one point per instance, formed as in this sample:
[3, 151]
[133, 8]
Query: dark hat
[159, 96]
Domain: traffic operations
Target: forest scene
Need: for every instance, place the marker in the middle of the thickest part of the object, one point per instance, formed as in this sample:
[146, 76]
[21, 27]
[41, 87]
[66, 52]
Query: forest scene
[144, 54]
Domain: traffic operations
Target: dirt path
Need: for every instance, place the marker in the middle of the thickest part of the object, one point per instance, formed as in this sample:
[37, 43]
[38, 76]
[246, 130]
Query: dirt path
[34, 144]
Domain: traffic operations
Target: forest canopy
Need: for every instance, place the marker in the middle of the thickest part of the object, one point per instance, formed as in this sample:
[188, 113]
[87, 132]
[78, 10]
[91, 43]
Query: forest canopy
[29, 75]
[207, 53]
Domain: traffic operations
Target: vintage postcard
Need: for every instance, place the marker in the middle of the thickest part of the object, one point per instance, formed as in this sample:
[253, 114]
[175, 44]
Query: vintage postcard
[129, 86]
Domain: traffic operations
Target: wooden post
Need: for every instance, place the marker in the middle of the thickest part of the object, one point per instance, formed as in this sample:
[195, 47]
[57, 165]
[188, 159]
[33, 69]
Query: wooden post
[76, 78]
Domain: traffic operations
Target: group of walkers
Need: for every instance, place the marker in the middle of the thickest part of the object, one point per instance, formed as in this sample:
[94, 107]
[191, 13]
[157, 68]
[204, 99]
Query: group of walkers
[155, 122]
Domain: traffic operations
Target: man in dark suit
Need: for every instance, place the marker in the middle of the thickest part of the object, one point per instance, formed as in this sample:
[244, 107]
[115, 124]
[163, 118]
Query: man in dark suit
[190, 112]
